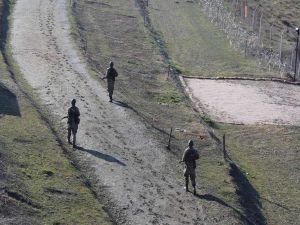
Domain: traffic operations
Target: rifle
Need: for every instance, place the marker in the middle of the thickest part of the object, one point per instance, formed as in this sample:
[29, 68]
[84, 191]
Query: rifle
[65, 117]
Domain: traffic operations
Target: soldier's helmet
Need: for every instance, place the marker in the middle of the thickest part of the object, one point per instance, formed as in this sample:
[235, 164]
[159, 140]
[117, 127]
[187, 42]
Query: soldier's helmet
[111, 64]
[73, 102]
[190, 143]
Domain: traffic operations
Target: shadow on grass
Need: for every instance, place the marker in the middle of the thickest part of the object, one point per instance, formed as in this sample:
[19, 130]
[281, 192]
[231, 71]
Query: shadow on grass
[211, 198]
[8, 102]
[103, 156]
[248, 196]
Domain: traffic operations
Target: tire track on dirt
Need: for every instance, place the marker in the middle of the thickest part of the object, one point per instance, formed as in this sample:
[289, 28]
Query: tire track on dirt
[122, 154]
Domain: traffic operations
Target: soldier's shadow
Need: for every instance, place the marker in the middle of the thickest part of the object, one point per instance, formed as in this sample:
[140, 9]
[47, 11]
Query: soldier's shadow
[101, 155]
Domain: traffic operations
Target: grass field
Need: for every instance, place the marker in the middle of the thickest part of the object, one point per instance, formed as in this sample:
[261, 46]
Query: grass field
[196, 46]
[269, 157]
[38, 183]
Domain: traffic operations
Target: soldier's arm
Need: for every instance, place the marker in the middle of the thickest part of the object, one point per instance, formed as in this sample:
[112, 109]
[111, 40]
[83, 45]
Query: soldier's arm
[184, 156]
[105, 77]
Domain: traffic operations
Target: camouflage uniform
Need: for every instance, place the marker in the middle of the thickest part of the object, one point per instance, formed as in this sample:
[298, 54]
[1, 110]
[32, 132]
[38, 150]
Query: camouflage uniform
[111, 74]
[189, 157]
[73, 121]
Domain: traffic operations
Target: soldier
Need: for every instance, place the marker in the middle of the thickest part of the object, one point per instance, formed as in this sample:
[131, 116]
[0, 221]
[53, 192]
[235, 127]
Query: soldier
[73, 121]
[189, 157]
[111, 74]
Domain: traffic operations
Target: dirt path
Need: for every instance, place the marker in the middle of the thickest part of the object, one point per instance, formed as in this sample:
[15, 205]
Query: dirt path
[126, 158]
[248, 102]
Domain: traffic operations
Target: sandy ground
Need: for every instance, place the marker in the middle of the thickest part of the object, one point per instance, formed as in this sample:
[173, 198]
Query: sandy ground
[125, 157]
[248, 102]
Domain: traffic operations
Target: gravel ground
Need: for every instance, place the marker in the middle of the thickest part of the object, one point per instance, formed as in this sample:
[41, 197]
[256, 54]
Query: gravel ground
[126, 158]
[248, 102]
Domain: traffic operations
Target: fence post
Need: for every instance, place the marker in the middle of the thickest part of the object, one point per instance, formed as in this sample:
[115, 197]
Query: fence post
[280, 47]
[271, 27]
[224, 148]
[259, 30]
[170, 136]
[298, 71]
[253, 19]
[246, 45]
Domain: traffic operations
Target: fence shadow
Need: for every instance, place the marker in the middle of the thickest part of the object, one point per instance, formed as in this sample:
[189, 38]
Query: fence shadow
[101, 155]
[248, 196]
[125, 105]
[8, 102]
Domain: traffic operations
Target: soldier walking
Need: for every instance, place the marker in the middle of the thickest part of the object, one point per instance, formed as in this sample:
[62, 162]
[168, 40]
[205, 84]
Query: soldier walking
[73, 121]
[111, 75]
[189, 157]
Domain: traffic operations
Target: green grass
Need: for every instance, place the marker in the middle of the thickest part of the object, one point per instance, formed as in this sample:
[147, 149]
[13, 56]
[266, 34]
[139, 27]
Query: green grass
[169, 97]
[269, 157]
[194, 44]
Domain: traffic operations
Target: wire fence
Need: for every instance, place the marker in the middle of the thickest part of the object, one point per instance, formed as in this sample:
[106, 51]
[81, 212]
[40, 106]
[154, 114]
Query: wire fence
[250, 31]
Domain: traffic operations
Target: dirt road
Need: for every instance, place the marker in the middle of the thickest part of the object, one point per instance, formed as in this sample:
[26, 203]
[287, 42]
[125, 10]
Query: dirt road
[126, 158]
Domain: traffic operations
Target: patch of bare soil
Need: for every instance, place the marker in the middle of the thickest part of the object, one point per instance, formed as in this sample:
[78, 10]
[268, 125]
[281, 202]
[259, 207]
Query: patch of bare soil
[248, 102]
[123, 155]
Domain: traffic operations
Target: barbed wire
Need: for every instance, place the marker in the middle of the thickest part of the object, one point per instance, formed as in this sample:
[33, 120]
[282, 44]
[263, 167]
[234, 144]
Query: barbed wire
[249, 34]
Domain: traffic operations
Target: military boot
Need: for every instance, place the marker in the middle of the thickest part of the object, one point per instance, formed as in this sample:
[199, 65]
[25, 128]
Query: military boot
[69, 137]
[74, 141]
[186, 184]
[195, 190]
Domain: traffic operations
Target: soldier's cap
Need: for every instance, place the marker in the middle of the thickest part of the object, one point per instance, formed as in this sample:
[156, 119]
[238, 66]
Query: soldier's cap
[73, 102]
[111, 64]
[190, 143]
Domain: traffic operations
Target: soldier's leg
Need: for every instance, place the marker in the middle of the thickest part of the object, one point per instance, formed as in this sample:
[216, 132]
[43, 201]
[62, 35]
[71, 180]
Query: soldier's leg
[193, 180]
[74, 137]
[74, 131]
[69, 135]
[110, 89]
[186, 183]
